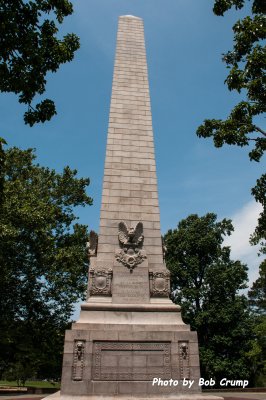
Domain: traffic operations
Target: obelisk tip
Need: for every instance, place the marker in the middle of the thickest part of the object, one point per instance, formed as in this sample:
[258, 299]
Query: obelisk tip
[129, 16]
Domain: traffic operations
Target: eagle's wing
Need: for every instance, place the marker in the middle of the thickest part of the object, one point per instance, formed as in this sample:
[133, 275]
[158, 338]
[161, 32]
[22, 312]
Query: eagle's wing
[122, 232]
[93, 242]
[139, 233]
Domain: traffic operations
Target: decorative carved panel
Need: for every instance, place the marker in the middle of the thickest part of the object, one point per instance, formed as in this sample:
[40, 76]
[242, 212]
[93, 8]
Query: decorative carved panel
[159, 284]
[100, 282]
[78, 360]
[131, 361]
[183, 347]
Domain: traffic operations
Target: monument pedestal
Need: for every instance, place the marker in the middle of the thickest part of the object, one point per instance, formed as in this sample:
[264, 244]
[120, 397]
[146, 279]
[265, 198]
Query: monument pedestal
[126, 347]
[115, 350]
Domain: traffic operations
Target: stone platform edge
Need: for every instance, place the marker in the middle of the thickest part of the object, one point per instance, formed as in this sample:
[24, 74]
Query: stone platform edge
[200, 396]
[130, 307]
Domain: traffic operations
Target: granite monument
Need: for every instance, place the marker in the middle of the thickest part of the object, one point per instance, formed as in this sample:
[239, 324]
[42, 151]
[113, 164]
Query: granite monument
[129, 331]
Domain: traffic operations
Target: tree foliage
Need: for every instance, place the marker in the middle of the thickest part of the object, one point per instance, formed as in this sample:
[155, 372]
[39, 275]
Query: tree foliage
[206, 282]
[259, 192]
[246, 62]
[42, 257]
[257, 293]
[257, 352]
[30, 48]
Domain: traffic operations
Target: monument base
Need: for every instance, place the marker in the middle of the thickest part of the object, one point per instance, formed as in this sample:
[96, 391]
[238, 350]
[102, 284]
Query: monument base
[184, 396]
[116, 351]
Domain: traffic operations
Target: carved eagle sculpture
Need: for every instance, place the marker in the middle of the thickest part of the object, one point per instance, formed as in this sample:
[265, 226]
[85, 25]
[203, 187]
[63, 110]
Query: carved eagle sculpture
[130, 236]
[92, 244]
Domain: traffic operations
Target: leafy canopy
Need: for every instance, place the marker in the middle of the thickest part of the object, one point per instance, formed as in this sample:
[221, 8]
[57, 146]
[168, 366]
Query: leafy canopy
[42, 257]
[257, 293]
[247, 63]
[257, 302]
[206, 282]
[30, 48]
[259, 192]
[41, 250]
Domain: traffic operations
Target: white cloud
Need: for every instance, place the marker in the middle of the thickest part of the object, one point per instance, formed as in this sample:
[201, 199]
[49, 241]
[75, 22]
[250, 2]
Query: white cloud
[244, 222]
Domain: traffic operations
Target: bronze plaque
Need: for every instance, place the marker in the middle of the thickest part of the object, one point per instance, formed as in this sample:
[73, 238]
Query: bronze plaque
[131, 361]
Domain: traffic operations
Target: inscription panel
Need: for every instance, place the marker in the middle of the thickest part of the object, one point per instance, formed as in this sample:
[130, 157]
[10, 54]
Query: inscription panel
[130, 287]
[131, 361]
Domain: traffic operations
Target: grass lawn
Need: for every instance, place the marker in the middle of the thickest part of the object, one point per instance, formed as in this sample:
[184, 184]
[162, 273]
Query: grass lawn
[37, 384]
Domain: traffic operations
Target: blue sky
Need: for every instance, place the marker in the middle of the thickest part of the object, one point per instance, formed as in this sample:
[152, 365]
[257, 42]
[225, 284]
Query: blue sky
[184, 42]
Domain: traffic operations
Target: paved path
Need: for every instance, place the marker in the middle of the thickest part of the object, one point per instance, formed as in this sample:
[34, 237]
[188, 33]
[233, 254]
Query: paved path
[241, 396]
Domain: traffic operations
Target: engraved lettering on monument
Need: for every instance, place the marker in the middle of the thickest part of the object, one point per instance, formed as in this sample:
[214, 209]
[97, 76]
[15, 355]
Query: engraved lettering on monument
[78, 360]
[130, 288]
[130, 241]
[131, 361]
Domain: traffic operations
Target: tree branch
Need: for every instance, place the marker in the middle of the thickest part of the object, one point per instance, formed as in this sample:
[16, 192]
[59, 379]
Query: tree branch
[259, 130]
[30, 106]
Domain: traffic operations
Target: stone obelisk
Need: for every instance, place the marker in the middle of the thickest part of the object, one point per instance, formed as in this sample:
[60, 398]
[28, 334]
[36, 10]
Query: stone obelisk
[129, 331]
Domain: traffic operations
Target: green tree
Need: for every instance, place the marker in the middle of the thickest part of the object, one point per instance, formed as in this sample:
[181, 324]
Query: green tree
[259, 236]
[19, 372]
[33, 349]
[257, 352]
[205, 281]
[246, 62]
[30, 48]
[42, 256]
[257, 293]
